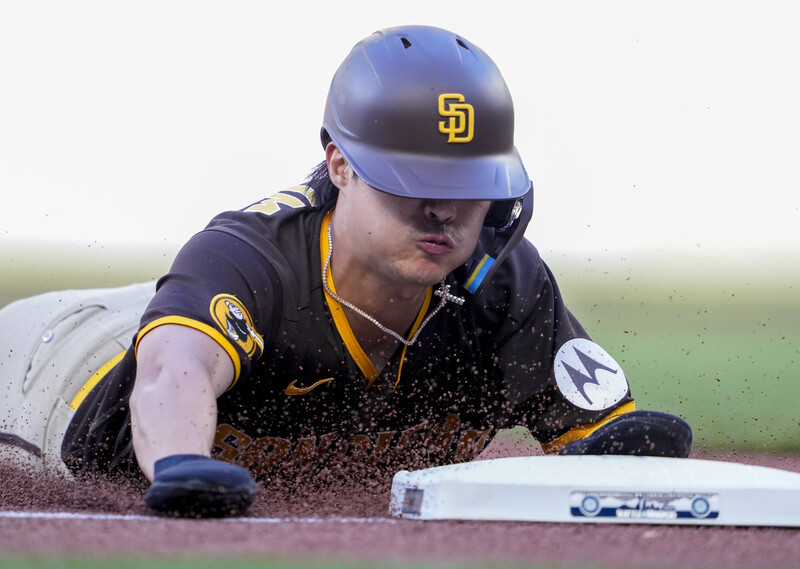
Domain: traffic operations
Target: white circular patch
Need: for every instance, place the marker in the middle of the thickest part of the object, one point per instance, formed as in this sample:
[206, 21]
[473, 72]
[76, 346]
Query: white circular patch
[590, 505]
[701, 507]
[587, 376]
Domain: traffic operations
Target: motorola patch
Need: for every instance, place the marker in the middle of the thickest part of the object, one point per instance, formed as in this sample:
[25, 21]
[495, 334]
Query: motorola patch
[588, 377]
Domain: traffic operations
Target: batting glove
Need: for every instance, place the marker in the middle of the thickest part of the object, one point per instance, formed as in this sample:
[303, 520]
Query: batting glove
[641, 433]
[193, 485]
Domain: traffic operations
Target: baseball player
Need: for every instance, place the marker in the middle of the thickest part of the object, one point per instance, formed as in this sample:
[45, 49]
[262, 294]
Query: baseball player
[387, 313]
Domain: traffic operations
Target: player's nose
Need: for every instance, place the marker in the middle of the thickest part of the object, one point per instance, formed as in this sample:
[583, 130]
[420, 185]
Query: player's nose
[441, 211]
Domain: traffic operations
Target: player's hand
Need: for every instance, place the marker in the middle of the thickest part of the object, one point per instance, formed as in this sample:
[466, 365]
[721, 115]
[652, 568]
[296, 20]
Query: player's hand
[641, 433]
[193, 485]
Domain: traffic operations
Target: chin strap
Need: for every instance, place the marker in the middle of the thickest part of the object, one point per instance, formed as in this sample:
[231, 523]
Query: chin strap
[504, 242]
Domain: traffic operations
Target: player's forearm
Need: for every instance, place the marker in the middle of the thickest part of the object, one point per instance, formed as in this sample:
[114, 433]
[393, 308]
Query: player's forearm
[171, 416]
[180, 374]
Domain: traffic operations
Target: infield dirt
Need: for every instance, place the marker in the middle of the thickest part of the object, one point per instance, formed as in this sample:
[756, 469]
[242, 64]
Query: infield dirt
[346, 520]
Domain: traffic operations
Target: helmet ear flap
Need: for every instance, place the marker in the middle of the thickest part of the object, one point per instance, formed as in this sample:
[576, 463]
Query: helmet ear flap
[514, 215]
[502, 213]
[324, 137]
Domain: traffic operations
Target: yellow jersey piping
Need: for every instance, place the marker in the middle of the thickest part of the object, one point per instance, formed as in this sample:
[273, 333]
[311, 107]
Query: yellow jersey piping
[343, 326]
[210, 331]
[583, 431]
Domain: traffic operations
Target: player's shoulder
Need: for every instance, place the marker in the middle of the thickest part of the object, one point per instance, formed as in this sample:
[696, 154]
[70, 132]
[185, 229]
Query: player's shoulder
[283, 205]
[525, 254]
[522, 267]
[294, 199]
[519, 282]
[284, 218]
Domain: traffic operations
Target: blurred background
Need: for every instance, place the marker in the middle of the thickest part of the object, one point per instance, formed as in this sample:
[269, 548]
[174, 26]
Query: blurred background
[662, 138]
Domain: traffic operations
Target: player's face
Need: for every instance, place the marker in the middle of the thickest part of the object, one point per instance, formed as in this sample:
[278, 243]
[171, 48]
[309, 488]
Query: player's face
[408, 240]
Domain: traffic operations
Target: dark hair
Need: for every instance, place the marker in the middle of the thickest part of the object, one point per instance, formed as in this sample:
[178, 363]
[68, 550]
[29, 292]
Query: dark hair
[319, 180]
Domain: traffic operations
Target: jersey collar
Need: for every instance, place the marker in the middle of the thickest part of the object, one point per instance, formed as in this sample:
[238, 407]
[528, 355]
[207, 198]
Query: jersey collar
[343, 326]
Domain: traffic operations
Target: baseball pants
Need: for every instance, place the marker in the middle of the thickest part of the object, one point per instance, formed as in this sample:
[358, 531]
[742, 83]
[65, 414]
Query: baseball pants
[54, 347]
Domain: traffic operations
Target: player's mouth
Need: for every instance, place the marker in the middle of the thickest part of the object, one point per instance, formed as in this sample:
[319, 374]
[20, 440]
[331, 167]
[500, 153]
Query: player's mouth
[437, 244]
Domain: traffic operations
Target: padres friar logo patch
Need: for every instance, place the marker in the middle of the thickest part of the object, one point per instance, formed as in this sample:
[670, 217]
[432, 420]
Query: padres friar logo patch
[234, 320]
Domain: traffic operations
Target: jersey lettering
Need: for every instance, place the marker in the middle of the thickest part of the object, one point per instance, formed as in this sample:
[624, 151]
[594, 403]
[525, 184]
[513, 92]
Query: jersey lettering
[229, 441]
[271, 205]
[267, 455]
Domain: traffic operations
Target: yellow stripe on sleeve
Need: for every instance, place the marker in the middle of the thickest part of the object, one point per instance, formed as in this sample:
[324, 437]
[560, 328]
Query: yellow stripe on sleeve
[584, 431]
[210, 331]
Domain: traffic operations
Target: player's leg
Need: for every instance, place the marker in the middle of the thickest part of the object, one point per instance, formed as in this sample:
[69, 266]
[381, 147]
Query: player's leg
[52, 345]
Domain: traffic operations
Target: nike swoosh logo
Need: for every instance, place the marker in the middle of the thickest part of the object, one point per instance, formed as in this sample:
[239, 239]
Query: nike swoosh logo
[292, 390]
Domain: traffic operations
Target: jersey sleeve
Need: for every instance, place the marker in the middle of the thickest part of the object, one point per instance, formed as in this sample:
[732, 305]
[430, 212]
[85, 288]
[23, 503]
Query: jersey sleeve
[222, 286]
[560, 384]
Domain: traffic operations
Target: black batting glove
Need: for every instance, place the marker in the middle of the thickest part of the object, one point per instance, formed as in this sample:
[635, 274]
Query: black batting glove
[640, 433]
[196, 486]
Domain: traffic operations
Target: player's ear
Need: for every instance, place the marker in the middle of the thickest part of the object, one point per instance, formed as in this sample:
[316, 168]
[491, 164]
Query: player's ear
[339, 170]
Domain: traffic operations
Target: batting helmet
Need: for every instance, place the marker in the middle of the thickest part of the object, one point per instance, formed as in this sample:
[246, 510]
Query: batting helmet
[421, 112]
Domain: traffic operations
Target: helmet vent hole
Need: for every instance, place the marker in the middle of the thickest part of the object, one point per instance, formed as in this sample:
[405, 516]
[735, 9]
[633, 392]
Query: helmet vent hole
[462, 44]
[406, 43]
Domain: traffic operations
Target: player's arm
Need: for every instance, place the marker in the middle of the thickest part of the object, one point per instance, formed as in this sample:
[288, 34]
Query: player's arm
[180, 373]
[581, 426]
[630, 432]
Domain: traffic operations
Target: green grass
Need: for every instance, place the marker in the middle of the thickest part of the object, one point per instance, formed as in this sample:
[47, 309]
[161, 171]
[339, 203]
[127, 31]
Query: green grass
[711, 346]
[729, 371]
[716, 343]
[32, 268]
